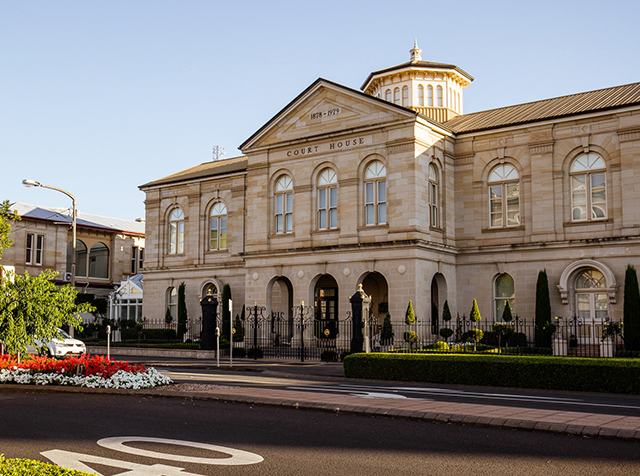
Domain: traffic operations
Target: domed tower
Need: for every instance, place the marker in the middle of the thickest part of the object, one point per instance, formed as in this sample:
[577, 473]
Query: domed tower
[431, 89]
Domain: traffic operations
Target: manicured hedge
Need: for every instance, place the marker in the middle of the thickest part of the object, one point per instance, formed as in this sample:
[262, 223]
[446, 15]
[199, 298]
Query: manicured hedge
[551, 373]
[27, 467]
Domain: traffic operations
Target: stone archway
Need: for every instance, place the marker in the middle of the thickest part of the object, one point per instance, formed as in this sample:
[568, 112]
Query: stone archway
[438, 297]
[279, 306]
[375, 285]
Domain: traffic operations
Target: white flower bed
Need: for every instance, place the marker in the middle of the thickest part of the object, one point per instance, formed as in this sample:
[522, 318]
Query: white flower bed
[121, 379]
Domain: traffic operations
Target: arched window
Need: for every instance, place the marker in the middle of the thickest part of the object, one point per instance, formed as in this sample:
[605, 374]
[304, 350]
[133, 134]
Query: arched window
[375, 194]
[591, 295]
[284, 205]
[504, 197]
[81, 258]
[405, 96]
[176, 232]
[420, 95]
[429, 95]
[396, 96]
[588, 188]
[439, 96]
[387, 95]
[503, 294]
[433, 196]
[99, 261]
[327, 200]
[172, 302]
[218, 227]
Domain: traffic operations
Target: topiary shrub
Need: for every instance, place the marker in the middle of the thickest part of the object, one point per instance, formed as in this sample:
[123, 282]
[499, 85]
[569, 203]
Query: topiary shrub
[440, 345]
[543, 310]
[386, 335]
[410, 337]
[445, 333]
[474, 335]
[474, 315]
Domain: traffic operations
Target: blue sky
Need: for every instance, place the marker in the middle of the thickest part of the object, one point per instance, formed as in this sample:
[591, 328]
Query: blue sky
[98, 97]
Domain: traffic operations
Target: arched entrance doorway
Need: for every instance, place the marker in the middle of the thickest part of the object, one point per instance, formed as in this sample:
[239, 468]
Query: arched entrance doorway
[325, 303]
[280, 295]
[375, 286]
[591, 304]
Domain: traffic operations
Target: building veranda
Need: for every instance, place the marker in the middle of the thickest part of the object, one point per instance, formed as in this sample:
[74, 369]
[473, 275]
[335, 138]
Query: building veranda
[395, 188]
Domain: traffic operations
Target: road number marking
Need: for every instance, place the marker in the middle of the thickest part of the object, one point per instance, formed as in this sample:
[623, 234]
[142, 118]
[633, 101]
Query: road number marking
[72, 460]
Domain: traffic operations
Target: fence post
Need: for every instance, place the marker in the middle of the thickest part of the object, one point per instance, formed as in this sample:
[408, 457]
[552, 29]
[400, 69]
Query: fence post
[255, 331]
[301, 331]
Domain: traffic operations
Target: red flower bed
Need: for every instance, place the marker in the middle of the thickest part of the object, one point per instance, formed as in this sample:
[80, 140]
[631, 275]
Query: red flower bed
[91, 365]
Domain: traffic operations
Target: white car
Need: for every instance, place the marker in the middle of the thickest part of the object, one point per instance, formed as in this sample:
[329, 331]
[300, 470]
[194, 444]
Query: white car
[63, 346]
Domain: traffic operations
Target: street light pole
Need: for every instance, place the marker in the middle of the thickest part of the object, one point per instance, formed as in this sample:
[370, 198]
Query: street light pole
[34, 183]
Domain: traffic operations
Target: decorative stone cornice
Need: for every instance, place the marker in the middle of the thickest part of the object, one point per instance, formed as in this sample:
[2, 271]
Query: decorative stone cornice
[629, 134]
[541, 147]
[464, 159]
[397, 147]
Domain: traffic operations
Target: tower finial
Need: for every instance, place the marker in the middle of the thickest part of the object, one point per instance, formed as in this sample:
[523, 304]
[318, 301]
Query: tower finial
[416, 53]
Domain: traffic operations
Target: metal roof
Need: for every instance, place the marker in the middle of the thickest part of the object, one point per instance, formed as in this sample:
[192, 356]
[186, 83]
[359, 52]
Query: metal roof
[86, 220]
[208, 169]
[581, 103]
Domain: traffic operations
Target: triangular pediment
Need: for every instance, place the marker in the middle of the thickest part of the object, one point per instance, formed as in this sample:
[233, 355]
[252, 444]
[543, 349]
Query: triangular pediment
[325, 108]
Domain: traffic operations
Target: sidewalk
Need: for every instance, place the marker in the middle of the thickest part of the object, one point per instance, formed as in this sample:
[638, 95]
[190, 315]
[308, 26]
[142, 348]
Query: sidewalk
[497, 416]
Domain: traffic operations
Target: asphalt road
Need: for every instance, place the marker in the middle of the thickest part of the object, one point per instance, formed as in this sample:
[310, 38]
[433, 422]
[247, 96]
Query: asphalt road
[327, 379]
[254, 440]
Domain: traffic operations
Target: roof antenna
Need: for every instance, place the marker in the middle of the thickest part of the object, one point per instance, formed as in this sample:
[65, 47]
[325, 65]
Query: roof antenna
[218, 152]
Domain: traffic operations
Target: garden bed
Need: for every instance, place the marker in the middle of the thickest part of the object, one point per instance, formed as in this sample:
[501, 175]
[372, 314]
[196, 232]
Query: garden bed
[85, 371]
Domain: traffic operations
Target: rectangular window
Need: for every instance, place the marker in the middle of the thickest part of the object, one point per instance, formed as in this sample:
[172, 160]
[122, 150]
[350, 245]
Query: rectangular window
[495, 204]
[288, 212]
[322, 209]
[213, 245]
[223, 233]
[140, 258]
[369, 205]
[333, 207]
[598, 196]
[279, 218]
[34, 249]
[578, 197]
[433, 203]
[382, 205]
[29, 256]
[134, 259]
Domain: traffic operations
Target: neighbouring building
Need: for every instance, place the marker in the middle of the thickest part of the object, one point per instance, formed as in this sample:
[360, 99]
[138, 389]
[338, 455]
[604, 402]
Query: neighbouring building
[108, 250]
[395, 188]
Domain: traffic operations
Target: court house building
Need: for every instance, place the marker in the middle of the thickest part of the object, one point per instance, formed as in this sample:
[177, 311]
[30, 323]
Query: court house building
[394, 187]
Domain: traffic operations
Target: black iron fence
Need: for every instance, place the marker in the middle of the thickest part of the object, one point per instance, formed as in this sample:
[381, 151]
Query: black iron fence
[297, 334]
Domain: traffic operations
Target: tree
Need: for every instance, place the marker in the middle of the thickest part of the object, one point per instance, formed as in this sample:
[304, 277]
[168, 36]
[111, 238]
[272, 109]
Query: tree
[33, 307]
[182, 312]
[475, 336]
[410, 316]
[6, 216]
[543, 310]
[474, 315]
[386, 335]
[506, 314]
[631, 310]
[446, 332]
[226, 315]
[446, 312]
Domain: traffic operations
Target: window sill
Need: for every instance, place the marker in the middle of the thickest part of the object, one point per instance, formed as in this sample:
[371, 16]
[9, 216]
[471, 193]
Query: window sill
[435, 228]
[503, 228]
[384, 226]
[588, 222]
[282, 235]
[328, 230]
